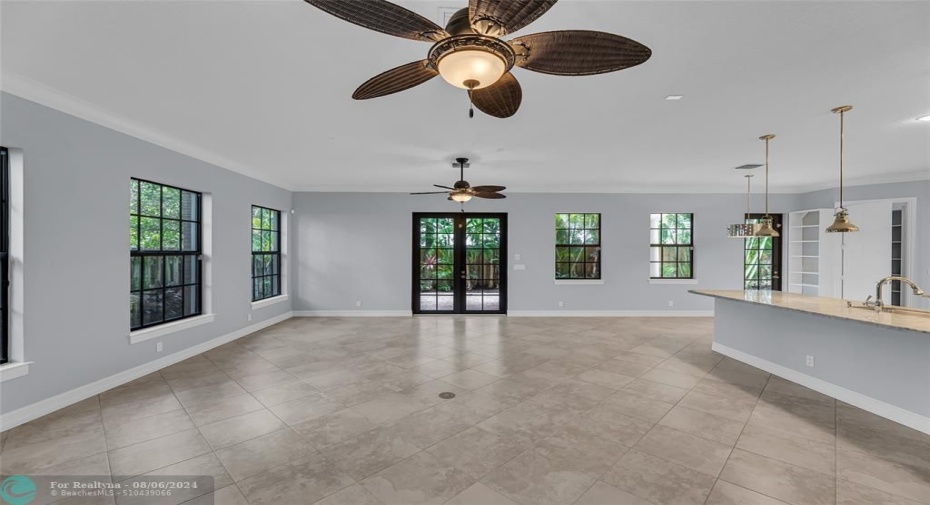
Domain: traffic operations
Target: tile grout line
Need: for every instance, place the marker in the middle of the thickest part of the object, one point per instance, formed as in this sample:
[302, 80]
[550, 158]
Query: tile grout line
[755, 404]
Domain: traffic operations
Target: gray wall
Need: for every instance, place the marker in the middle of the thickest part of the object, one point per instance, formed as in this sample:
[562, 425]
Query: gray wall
[76, 316]
[357, 246]
[887, 364]
[826, 199]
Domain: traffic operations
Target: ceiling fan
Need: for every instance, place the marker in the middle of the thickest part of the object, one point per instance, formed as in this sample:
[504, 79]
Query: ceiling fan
[462, 192]
[469, 53]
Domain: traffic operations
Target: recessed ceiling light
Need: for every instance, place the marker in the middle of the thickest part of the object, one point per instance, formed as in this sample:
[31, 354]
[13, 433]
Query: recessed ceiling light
[925, 117]
[674, 97]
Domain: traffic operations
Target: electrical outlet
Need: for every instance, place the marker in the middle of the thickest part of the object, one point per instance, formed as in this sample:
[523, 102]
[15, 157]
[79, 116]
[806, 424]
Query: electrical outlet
[158, 347]
[358, 303]
[561, 304]
[809, 361]
[671, 303]
[250, 317]
[516, 257]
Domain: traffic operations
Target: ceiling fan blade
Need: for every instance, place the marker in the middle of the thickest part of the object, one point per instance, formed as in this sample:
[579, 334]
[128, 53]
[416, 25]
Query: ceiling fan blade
[384, 17]
[488, 189]
[579, 52]
[500, 17]
[501, 99]
[444, 187]
[429, 193]
[490, 196]
[395, 79]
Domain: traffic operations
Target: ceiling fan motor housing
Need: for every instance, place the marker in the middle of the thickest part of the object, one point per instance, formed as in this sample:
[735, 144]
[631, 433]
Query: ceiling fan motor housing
[459, 23]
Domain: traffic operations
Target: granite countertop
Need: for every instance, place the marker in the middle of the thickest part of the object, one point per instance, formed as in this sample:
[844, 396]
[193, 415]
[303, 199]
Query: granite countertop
[829, 307]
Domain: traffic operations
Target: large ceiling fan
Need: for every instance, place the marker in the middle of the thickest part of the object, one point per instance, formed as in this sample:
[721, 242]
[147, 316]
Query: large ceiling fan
[470, 54]
[462, 192]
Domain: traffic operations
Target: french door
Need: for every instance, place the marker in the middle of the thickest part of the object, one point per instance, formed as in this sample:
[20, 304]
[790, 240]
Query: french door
[459, 263]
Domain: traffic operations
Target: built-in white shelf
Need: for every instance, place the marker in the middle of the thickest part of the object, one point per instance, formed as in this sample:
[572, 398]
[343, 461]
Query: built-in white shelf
[807, 270]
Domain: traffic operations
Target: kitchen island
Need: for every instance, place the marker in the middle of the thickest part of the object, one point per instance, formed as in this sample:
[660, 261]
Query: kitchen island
[877, 361]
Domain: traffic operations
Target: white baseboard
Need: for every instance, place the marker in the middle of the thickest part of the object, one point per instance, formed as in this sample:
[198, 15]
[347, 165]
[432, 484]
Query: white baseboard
[60, 401]
[610, 313]
[867, 403]
[353, 313]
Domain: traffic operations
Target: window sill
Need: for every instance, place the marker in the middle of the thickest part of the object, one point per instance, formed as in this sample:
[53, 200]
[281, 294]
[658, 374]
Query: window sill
[269, 301]
[581, 282]
[10, 371]
[138, 336]
[673, 281]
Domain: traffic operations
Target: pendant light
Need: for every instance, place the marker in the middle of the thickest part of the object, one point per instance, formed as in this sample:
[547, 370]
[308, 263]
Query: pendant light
[841, 223]
[744, 229]
[767, 230]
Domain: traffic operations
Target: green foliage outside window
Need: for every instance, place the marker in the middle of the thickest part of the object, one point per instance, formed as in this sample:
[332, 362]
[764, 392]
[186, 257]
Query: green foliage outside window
[266, 253]
[672, 246]
[577, 246]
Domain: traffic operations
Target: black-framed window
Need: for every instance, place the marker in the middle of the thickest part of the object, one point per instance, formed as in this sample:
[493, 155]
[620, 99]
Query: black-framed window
[165, 254]
[266, 253]
[672, 246]
[577, 246]
[5, 255]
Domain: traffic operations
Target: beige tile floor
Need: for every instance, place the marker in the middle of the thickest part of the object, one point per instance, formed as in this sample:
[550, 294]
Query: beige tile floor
[582, 411]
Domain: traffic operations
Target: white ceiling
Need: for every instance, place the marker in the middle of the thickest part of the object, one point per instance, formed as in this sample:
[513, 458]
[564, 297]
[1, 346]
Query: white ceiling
[263, 87]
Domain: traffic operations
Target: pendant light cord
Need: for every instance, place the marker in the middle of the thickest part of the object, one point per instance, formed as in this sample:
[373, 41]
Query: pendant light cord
[842, 115]
[748, 195]
[767, 177]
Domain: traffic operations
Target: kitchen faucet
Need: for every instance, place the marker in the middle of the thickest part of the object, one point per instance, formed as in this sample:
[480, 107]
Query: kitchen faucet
[878, 304]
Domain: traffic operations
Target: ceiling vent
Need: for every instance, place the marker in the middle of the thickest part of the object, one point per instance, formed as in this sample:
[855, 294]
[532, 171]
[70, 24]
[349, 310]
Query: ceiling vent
[748, 166]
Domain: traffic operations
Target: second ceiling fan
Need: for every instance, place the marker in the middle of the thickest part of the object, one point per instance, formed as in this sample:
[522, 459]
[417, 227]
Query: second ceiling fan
[462, 191]
[470, 54]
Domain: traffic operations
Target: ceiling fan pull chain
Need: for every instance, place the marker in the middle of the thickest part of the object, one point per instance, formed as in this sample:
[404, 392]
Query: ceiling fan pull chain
[471, 84]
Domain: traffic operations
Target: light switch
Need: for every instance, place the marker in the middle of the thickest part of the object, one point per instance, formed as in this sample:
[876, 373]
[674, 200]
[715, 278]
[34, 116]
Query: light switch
[519, 267]
[516, 257]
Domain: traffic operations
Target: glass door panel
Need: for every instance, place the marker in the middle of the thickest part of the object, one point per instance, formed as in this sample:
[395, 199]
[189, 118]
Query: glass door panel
[482, 264]
[436, 264]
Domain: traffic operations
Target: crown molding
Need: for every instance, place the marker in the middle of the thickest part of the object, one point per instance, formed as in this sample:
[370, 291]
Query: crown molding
[52, 98]
[918, 176]
[870, 180]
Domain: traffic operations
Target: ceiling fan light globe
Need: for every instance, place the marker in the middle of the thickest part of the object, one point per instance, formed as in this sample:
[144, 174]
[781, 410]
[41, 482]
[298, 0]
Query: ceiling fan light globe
[472, 65]
[461, 197]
